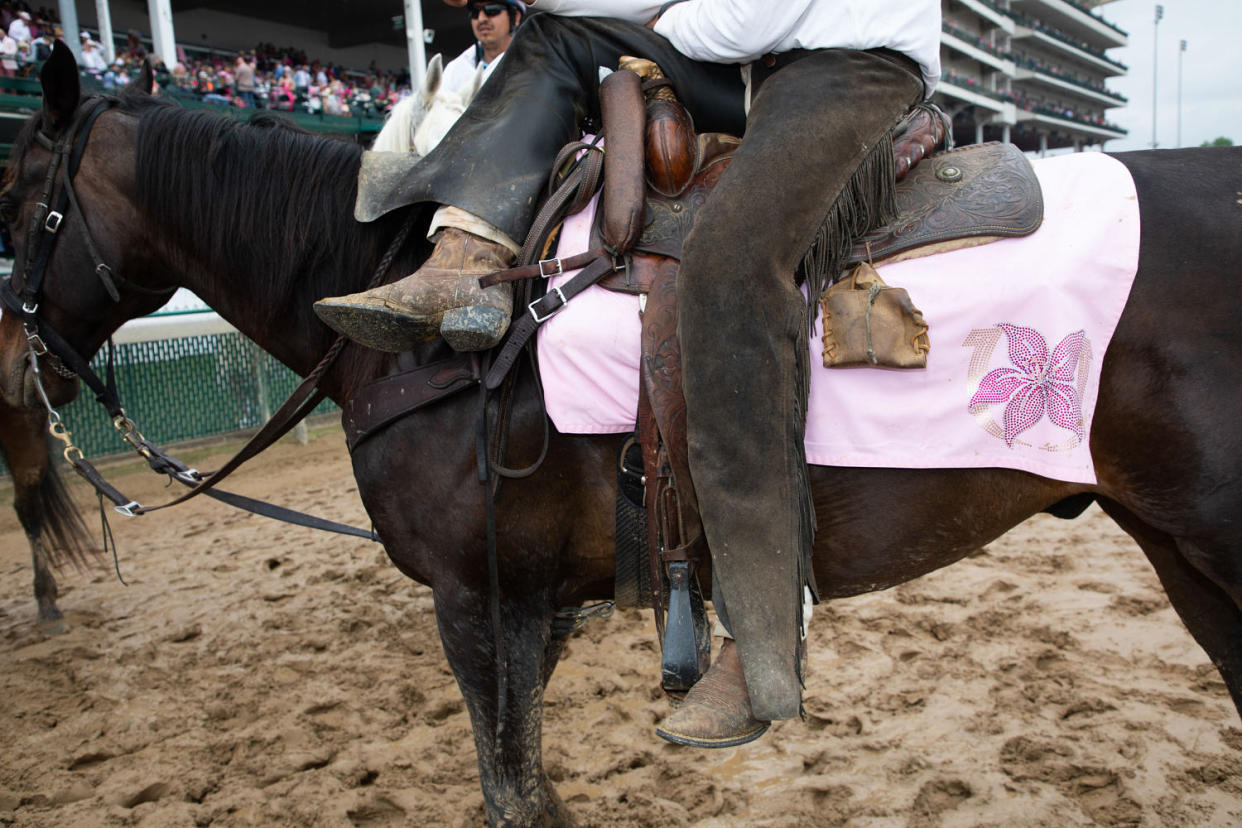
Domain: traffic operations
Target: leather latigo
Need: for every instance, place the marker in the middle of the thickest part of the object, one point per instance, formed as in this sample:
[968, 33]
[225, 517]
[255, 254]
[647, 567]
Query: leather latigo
[623, 111]
[979, 190]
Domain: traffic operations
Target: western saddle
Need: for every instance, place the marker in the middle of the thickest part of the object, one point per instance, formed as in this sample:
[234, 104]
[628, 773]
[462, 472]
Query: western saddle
[656, 171]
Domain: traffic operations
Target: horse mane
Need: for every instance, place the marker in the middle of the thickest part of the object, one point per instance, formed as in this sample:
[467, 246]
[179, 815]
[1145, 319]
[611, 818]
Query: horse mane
[262, 205]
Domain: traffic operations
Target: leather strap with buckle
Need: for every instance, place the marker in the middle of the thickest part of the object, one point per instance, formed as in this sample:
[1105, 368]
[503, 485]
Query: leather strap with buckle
[543, 309]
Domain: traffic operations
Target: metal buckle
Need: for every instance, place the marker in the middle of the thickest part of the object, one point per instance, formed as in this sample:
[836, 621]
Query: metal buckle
[52, 223]
[128, 509]
[191, 477]
[540, 319]
[569, 620]
[548, 275]
[36, 342]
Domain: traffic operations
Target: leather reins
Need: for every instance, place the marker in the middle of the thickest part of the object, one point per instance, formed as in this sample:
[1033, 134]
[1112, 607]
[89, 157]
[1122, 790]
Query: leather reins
[44, 341]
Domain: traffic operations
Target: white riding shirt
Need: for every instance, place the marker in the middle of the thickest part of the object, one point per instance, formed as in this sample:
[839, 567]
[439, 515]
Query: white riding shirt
[740, 31]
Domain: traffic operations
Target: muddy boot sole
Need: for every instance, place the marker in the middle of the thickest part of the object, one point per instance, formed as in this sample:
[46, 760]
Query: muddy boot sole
[671, 735]
[475, 328]
[377, 326]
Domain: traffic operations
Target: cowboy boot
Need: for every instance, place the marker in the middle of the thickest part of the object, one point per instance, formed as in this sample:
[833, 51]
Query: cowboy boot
[716, 712]
[441, 297]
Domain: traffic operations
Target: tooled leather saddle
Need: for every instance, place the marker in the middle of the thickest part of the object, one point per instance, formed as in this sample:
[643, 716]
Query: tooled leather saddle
[657, 172]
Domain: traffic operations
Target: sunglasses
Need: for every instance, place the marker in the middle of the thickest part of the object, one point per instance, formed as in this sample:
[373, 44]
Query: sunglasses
[491, 10]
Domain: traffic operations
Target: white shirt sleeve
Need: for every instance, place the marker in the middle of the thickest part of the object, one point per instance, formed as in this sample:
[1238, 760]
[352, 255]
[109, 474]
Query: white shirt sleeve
[635, 11]
[459, 71]
[720, 31]
[731, 31]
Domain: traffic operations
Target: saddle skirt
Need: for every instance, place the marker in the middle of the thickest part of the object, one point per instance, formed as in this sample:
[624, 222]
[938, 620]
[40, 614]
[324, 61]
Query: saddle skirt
[1019, 329]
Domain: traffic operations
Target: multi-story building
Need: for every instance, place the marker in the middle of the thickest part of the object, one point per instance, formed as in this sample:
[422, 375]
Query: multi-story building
[1030, 72]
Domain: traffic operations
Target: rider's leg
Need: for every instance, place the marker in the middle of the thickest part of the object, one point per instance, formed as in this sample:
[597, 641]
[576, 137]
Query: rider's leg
[494, 163]
[743, 326]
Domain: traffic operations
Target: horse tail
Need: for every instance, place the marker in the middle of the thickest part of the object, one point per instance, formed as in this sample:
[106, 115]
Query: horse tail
[66, 539]
[398, 132]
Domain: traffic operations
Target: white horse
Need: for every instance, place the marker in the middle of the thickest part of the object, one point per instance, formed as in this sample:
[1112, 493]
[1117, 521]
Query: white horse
[418, 122]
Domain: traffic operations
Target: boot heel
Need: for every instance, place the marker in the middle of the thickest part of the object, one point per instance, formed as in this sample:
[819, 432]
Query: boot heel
[474, 328]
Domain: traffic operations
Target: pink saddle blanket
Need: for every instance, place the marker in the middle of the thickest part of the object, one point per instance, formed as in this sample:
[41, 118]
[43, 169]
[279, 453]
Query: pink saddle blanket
[1018, 332]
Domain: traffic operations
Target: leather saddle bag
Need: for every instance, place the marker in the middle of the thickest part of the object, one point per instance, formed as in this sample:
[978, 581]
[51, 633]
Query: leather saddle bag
[867, 322]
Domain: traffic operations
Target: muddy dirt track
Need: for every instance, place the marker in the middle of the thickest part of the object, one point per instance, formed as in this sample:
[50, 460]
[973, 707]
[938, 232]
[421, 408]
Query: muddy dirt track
[258, 674]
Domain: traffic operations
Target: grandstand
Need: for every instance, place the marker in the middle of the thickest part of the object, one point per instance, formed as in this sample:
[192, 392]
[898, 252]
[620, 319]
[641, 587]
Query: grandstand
[361, 41]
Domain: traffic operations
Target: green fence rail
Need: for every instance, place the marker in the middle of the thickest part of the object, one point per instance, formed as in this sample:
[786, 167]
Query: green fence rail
[184, 389]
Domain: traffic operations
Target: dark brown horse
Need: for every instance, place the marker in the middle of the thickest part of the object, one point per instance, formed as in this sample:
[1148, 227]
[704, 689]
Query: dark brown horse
[256, 220]
[48, 516]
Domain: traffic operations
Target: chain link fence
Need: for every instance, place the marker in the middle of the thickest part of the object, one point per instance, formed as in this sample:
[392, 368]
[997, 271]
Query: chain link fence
[183, 387]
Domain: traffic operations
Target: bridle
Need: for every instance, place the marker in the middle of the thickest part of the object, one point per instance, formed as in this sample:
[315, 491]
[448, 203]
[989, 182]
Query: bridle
[42, 233]
[44, 341]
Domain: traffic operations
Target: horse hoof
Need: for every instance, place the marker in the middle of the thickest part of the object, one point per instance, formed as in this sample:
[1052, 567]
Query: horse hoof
[53, 626]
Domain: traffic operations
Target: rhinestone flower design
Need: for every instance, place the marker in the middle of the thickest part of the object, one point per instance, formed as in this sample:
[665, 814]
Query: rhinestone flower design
[1039, 383]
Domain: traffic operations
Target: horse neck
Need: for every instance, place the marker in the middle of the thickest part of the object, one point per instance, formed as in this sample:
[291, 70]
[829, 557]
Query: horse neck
[274, 237]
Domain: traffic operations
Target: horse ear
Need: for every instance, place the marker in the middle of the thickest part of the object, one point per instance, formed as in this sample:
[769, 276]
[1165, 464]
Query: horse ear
[435, 74]
[145, 82]
[61, 87]
[475, 84]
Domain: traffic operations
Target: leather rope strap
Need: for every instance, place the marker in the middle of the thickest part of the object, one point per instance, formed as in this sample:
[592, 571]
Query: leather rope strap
[571, 192]
[301, 402]
[547, 268]
[540, 311]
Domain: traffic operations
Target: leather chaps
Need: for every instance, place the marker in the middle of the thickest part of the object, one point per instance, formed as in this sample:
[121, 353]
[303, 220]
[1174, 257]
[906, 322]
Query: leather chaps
[742, 319]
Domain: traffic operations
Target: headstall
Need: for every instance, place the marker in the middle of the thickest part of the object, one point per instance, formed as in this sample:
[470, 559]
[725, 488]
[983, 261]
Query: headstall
[45, 342]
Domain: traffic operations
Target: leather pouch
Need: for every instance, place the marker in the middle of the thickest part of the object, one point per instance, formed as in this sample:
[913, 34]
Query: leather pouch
[867, 322]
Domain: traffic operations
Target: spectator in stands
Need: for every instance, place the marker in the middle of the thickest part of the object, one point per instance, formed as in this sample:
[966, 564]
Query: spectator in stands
[301, 81]
[114, 77]
[243, 75]
[93, 59]
[133, 43]
[181, 76]
[314, 103]
[19, 29]
[43, 47]
[282, 96]
[330, 94]
[225, 77]
[8, 56]
[493, 23]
